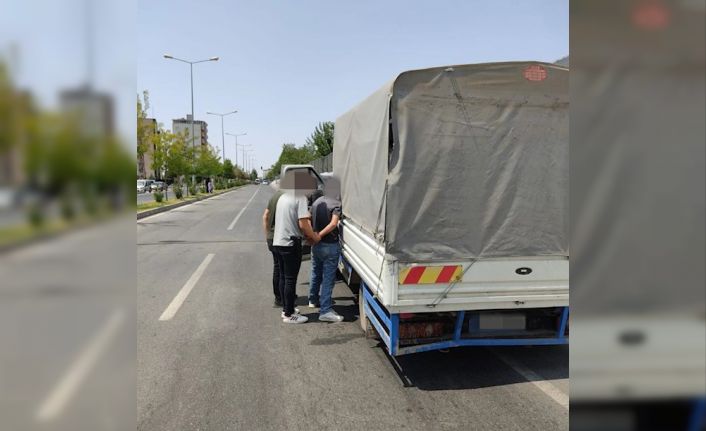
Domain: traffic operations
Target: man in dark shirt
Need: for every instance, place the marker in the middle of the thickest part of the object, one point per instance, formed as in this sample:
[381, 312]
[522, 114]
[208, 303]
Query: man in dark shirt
[268, 224]
[325, 214]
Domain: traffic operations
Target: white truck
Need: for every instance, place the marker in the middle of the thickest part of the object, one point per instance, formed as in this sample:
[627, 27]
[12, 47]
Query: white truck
[454, 185]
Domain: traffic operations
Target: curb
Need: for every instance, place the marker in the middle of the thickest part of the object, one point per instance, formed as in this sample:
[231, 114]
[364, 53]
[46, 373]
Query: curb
[153, 211]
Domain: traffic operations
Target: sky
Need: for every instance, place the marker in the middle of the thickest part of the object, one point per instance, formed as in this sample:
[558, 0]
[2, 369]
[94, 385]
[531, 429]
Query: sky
[44, 41]
[288, 65]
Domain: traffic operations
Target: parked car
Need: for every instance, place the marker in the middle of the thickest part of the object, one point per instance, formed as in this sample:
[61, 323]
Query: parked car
[144, 186]
[265, 182]
[158, 186]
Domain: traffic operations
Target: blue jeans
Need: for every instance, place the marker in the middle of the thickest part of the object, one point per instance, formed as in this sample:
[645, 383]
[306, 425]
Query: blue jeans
[324, 261]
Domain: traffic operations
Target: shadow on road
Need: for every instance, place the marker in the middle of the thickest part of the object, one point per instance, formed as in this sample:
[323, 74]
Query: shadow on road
[478, 367]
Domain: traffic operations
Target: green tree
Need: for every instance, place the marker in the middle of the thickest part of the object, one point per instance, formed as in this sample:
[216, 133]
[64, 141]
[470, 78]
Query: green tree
[253, 175]
[161, 142]
[292, 155]
[143, 127]
[228, 171]
[207, 163]
[178, 157]
[322, 139]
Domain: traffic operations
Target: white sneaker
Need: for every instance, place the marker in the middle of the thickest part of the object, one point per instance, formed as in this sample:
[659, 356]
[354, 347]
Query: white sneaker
[331, 316]
[312, 305]
[295, 318]
[296, 311]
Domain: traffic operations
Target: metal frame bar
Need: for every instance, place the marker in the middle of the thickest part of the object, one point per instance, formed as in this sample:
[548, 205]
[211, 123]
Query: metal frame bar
[697, 420]
[387, 326]
[562, 325]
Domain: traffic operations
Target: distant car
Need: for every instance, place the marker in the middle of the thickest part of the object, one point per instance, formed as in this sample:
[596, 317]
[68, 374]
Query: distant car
[158, 186]
[8, 197]
[265, 182]
[144, 186]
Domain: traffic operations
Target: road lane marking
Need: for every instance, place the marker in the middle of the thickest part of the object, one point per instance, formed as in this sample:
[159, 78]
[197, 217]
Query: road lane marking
[179, 299]
[72, 379]
[235, 220]
[545, 386]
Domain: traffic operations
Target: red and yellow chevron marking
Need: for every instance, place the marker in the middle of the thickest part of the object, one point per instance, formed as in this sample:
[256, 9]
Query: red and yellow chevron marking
[430, 274]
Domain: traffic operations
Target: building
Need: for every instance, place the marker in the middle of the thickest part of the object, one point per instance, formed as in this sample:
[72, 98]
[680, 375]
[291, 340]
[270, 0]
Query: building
[144, 161]
[92, 109]
[183, 126]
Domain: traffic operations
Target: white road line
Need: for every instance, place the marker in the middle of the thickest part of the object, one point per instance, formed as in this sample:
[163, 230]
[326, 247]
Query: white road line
[179, 299]
[69, 383]
[545, 386]
[235, 220]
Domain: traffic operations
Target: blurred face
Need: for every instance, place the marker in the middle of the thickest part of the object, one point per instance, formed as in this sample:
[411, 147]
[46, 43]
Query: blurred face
[300, 182]
[332, 188]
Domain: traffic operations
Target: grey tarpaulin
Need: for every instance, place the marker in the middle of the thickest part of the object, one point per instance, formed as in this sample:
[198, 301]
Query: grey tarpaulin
[478, 163]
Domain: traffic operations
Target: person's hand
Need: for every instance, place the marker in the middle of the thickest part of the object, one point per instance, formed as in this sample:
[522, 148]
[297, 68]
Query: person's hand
[315, 240]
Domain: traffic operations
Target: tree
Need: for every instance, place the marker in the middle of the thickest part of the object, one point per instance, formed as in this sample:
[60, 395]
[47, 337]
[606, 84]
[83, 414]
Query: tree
[291, 155]
[143, 129]
[228, 171]
[253, 175]
[207, 163]
[322, 139]
[178, 157]
[161, 142]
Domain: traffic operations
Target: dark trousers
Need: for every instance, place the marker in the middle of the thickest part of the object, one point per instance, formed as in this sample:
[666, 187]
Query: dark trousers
[290, 260]
[275, 271]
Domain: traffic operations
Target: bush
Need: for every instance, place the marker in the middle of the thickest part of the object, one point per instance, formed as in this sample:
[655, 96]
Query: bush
[36, 215]
[158, 196]
[178, 190]
[67, 209]
[192, 190]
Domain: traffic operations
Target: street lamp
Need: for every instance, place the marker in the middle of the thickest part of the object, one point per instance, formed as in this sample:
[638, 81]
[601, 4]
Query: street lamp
[236, 144]
[191, 70]
[223, 139]
[243, 147]
[247, 160]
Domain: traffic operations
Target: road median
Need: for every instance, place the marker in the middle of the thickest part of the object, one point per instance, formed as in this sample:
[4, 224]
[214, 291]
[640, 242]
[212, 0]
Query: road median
[160, 209]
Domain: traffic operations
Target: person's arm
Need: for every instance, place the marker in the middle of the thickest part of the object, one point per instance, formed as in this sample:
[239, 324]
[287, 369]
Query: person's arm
[305, 226]
[330, 227]
[266, 221]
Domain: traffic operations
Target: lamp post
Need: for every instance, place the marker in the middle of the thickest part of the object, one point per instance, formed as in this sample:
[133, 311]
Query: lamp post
[223, 139]
[236, 144]
[243, 147]
[191, 71]
[248, 161]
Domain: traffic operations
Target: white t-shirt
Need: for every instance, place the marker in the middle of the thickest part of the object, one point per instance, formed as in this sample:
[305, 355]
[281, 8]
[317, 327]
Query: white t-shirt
[290, 209]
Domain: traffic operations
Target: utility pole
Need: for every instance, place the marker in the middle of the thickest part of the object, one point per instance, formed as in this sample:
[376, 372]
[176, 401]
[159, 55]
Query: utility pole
[223, 139]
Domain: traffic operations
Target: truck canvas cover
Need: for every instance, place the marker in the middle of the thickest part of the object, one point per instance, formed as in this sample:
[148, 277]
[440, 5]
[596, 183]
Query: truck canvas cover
[460, 162]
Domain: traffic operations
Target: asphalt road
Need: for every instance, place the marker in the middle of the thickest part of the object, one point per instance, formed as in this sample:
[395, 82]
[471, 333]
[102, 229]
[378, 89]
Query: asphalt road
[226, 361]
[67, 330]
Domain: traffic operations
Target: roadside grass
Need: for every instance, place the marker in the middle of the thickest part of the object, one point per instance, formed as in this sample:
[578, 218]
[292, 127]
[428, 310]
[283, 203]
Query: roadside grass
[25, 231]
[151, 205]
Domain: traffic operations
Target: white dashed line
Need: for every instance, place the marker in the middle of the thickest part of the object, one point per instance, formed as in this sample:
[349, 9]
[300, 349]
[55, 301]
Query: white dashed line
[545, 386]
[179, 299]
[235, 220]
[69, 383]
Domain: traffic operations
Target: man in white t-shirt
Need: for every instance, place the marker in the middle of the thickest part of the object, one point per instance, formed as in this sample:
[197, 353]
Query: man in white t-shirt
[292, 222]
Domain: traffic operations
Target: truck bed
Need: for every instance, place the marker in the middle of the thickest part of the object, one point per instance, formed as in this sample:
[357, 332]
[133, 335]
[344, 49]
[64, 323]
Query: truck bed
[484, 284]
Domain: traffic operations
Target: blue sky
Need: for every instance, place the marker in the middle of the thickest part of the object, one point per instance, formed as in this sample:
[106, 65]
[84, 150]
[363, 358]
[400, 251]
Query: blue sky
[44, 40]
[286, 65]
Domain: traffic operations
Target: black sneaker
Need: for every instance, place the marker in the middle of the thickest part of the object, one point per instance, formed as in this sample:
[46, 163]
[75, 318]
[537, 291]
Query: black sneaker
[278, 303]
